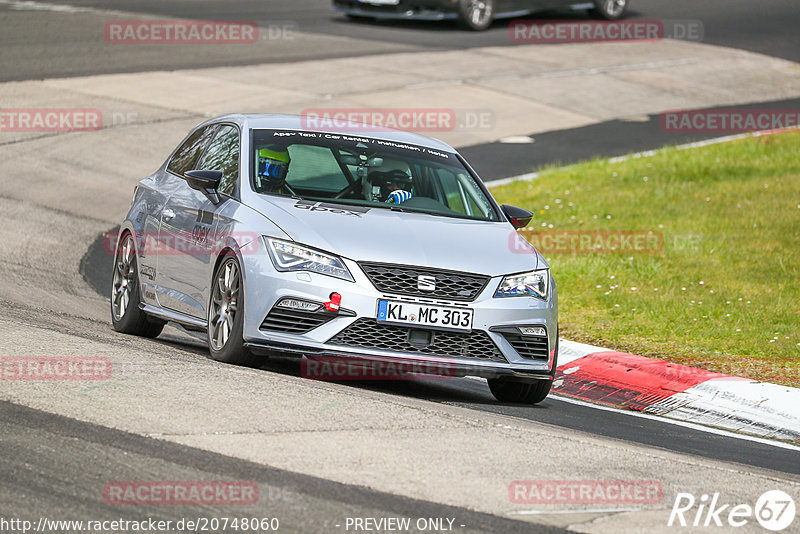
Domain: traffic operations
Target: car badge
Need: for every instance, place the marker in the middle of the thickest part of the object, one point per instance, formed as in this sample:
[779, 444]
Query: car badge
[426, 283]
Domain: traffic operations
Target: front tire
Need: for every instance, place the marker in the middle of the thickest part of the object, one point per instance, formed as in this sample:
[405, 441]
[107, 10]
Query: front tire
[226, 315]
[506, 390]
[610, 9]
[126, 316]
[476, 15]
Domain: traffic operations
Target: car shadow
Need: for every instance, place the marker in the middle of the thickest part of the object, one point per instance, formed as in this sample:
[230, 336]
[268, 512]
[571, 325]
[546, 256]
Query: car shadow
[439, 389]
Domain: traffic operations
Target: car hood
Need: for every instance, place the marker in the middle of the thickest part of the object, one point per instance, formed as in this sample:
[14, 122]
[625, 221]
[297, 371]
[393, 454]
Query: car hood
[386, 236]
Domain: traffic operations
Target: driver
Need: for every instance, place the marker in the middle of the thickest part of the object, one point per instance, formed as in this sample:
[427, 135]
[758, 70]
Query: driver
[399, 187]
[273, 166]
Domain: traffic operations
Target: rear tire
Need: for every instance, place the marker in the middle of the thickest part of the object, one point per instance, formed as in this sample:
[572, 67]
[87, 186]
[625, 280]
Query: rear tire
[226, 315]
[475, 15]
[506, 390]
[126, 316]
[610, 9]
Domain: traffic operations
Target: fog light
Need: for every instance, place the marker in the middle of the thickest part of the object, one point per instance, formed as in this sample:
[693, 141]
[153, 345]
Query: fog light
[537, 331]
[302, 305]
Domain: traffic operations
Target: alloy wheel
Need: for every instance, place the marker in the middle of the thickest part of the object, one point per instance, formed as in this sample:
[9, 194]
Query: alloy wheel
[124, 278]
[224, 303]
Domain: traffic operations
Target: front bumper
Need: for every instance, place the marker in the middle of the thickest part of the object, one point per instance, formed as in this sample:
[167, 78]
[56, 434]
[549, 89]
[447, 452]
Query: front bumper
[493, 320]
[431, 10]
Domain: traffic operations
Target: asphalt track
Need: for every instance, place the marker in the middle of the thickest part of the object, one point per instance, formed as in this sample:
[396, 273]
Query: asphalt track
[59, 479]
[498, 160]
[32, 50]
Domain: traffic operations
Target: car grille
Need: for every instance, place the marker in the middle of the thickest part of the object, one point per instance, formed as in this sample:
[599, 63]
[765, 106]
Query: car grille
[369, 334]
[402, 280]
[294, 321]
[530, 348]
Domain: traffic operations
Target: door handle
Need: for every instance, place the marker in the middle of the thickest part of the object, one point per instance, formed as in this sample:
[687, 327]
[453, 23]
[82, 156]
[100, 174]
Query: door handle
[168, 214]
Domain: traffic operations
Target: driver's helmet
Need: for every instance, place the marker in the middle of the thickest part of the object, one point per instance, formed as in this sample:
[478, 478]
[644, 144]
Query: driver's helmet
[398, 186]
[397, 180]
[273, 166]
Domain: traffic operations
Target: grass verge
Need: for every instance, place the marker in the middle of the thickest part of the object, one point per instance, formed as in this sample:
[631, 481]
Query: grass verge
[722, 289]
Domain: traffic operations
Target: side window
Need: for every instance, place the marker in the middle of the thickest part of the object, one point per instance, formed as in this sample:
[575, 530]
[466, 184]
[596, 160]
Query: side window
[456, 199]
[479, 204]
[223, 155]
[187, 155]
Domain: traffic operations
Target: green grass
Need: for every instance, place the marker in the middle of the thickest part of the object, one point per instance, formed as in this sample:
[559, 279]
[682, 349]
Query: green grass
[723, 294]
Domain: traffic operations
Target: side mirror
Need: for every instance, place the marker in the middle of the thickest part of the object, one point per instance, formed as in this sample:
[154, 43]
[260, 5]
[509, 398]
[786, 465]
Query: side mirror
[205, 182]
[519, 217]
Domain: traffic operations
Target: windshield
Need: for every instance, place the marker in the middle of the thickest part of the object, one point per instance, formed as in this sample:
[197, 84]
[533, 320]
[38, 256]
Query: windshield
[357, 170]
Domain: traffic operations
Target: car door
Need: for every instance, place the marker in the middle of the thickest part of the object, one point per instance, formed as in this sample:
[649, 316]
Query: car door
[190, 224]
[151, 201]
[165, 242]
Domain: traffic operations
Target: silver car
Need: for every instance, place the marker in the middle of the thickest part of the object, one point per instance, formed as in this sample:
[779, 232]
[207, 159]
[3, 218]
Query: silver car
[353, 243]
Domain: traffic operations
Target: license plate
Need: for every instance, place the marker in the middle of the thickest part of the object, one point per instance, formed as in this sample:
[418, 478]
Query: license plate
[425, 315]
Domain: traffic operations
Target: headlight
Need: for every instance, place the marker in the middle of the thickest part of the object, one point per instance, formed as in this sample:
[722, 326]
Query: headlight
[532, 284]
[287, 256]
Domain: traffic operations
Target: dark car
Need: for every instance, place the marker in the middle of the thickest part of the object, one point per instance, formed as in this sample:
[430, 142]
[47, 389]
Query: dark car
[472, 14]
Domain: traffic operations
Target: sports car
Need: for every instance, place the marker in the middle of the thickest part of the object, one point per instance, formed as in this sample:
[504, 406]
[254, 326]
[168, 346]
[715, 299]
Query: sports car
[351, 242]
[471, 14]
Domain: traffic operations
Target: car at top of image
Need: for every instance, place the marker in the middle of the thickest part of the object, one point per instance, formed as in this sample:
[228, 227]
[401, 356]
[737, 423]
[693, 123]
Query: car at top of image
[378, 246]
[471, 14]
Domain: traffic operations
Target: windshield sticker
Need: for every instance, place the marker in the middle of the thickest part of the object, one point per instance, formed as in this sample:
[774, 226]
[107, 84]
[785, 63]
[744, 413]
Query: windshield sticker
[353, 211]
[364, 140]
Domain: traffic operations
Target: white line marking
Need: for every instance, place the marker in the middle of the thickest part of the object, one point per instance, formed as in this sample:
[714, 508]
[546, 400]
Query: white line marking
[18, 5]
[686, 424]
[521, 178]
[517, 140]
[30, 5]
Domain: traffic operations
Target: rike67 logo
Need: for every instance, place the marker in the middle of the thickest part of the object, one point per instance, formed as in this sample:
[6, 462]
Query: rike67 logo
[774, 510]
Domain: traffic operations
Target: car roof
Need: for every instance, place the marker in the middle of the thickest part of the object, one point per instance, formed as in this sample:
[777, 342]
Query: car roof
[298, 122]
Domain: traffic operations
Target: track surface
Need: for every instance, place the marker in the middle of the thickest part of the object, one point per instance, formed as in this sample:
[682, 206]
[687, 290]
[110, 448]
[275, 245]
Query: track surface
[765, 28]
[68, 491]
[494, 161]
